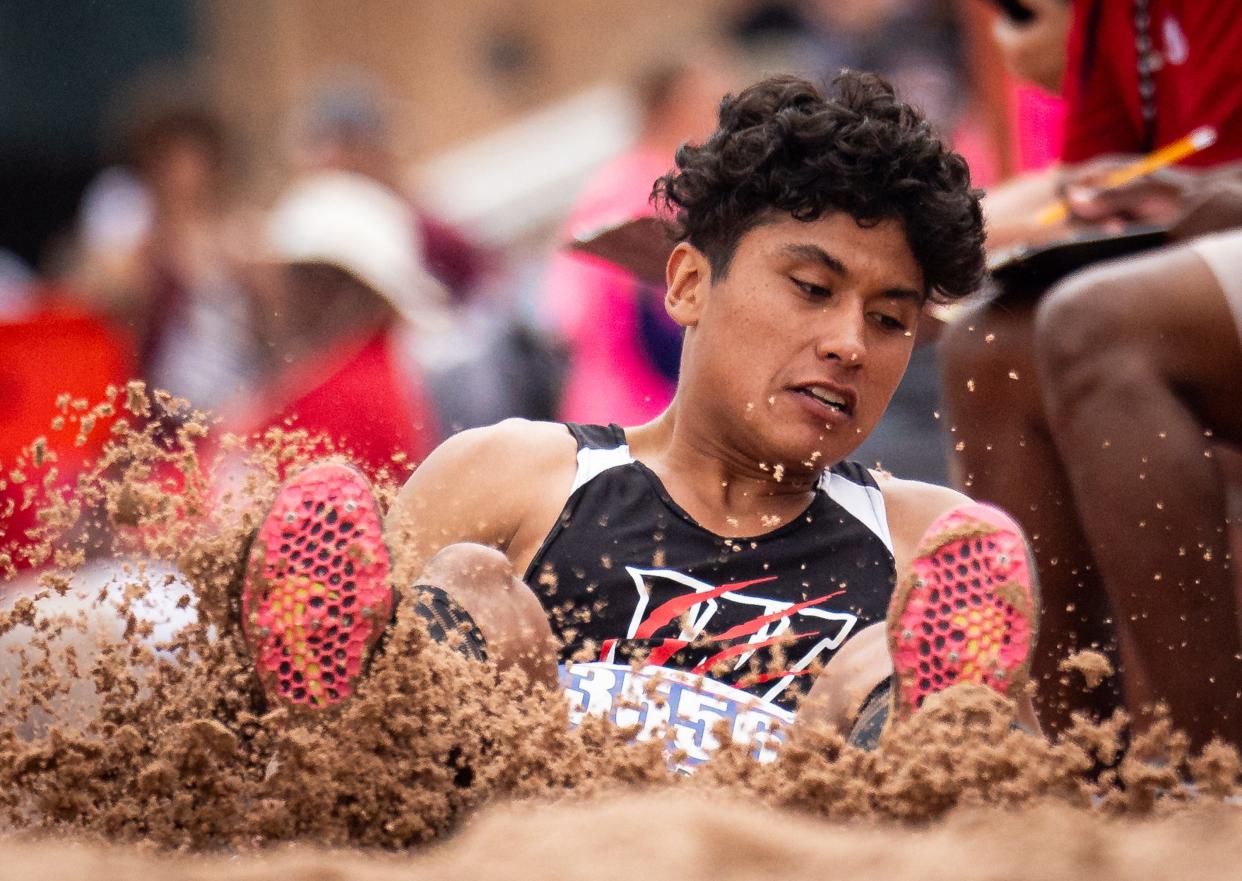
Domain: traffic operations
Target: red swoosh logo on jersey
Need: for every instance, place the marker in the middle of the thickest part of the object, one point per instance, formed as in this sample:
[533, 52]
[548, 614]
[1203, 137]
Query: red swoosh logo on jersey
[670, 647]
[748, 627]
[667, 612]
[742, 648]
[666, 650]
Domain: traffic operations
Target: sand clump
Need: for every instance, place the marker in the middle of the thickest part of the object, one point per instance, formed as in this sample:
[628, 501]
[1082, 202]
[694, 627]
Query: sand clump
[1091, 665]
[131, 716]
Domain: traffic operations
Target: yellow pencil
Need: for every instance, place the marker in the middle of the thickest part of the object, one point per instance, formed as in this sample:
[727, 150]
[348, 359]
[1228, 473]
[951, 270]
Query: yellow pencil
[1199, 139]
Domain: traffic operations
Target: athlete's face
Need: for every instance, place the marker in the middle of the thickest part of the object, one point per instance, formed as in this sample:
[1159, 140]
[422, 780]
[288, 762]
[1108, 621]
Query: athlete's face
[796, 352]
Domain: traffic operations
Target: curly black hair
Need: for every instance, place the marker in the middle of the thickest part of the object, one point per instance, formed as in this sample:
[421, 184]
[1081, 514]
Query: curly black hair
[785, 146]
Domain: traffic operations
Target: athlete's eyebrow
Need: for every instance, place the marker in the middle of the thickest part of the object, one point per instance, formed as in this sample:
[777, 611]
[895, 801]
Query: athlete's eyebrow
[816, 254]
[905, 294]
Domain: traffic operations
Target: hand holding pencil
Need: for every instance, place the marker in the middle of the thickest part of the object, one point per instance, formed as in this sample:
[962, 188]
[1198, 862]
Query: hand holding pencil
[1145, 189]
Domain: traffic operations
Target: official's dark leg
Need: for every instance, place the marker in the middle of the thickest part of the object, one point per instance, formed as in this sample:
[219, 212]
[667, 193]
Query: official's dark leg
[1140, 364]
[1004, 454]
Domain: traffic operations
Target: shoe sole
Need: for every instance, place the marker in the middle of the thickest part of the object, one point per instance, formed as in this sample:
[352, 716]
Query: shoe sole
[967, 611]
[317, 596]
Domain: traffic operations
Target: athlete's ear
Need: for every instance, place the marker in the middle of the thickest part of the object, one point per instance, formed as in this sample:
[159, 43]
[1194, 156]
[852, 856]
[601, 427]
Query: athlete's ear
[688, 276]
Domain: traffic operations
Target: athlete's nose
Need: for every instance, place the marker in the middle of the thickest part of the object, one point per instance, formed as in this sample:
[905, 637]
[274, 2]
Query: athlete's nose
[842, 337]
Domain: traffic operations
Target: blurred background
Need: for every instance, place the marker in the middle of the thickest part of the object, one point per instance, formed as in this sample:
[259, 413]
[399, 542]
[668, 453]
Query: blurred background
[353, 216]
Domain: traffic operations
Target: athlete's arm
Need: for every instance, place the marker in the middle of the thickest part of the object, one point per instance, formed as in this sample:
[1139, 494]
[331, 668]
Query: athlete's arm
[502, 486]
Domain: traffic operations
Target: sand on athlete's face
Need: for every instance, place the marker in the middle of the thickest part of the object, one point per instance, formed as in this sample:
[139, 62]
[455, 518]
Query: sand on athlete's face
[123, 726]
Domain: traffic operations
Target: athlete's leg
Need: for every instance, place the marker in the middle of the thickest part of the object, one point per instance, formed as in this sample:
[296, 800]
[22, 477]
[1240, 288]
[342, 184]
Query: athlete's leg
[1004, 454]
[510, 617]
[965, 613]
[317, 595]
[1139, 360]
[847, 680]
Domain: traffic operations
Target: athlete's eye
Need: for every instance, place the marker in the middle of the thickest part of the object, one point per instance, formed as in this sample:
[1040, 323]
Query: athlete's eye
[812, 290]
[888, 322]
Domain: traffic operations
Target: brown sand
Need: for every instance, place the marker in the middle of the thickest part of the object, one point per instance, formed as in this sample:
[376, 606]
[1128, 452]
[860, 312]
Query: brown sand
[116, 732]
[635, 835]
[1091, 665]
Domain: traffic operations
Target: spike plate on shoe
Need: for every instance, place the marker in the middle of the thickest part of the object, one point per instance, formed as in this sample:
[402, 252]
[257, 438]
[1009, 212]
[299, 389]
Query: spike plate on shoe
[316, 596]
[967, 611]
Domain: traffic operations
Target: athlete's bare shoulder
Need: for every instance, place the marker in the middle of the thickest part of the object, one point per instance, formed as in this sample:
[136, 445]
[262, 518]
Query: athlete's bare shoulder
[511, 446]
[911, 506]
[486, 485]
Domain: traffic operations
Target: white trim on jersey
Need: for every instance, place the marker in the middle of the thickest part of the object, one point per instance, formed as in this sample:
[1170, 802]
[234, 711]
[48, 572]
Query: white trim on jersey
[864, 502]
[593, 462]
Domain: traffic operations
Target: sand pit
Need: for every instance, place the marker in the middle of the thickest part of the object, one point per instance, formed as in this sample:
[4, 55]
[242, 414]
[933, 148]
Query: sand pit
[132, 726]
[632, 835]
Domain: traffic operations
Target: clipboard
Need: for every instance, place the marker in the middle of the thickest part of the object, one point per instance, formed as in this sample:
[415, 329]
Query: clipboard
[1030, 269]
[640, 245]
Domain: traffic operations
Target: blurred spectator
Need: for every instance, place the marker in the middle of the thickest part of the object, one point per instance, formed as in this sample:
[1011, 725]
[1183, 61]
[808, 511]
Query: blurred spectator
[624, 350]
[345, 281]
[481, 364]
[151, 292]
[345, 126]
[1085, 410]
[1019, 120]
[1034, 53]
[155, 257]
[915, 44]
[1035, 49]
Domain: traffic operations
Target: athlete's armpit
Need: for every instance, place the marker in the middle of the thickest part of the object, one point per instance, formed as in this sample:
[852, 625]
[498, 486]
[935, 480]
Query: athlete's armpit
[483, 486]
[912, 506]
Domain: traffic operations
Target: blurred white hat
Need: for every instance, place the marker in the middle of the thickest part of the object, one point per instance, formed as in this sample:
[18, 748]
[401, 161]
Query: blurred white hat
[356, 224]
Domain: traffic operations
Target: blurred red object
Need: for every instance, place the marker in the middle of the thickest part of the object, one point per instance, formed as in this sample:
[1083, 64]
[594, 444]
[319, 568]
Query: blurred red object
[358, 395]
[48, 354]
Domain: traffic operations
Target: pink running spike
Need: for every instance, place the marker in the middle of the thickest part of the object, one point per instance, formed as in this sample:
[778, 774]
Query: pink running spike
[316, 596]
[968, 610]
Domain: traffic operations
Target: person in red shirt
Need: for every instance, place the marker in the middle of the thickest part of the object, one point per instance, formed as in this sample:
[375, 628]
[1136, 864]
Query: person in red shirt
[1088, 411]
[1144, 74]
[53, 351]
[347, 280]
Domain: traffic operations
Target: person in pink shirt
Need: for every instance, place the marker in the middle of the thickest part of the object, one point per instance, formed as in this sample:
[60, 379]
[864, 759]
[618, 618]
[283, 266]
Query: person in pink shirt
[623, 349]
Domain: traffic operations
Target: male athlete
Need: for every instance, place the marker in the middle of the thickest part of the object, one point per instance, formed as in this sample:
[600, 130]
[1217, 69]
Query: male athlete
[727, 545]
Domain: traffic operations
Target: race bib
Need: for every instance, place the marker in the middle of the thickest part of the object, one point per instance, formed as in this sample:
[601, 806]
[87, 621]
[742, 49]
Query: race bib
[685, 709]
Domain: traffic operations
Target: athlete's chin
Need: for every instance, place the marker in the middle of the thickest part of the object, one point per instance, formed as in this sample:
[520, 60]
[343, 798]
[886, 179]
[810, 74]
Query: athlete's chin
[811, 450]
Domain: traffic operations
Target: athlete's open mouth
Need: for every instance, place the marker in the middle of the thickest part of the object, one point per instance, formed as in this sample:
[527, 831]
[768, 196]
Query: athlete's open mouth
[836, 399]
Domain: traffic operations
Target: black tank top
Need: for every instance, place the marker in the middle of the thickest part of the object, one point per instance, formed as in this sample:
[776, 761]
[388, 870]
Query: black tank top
[626, 574]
